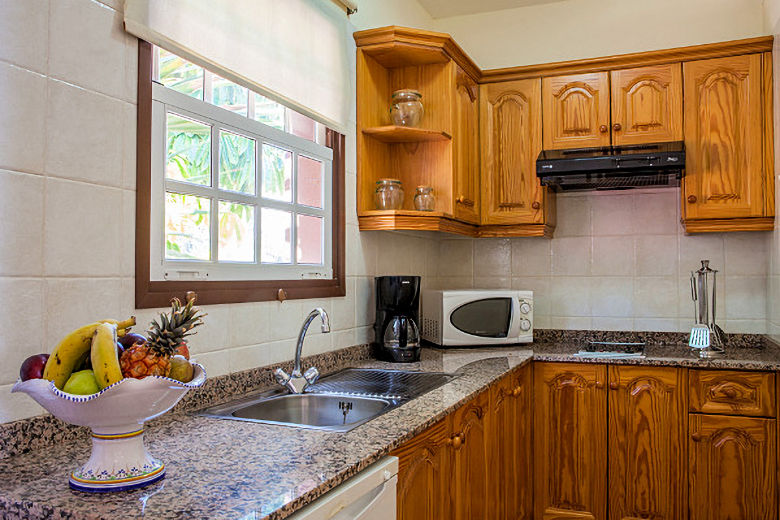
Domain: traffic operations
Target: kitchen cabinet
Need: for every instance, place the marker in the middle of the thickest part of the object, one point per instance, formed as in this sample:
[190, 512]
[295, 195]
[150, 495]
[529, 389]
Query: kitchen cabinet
[728, 183]
[733, 392]
[576, 111]
[511, 131]
[469, 456]
[732, 468]
[570, 441]
[647, 443]
[466, 182]
[424, 475]
[510, 453]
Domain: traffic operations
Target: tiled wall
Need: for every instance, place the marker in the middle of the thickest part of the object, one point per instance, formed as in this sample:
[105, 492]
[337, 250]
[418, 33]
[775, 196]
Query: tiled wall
[773, 301]
[619, 261]
[68, 77]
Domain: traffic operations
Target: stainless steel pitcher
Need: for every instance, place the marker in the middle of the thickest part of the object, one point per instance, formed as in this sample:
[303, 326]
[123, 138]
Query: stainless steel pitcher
[706, 335]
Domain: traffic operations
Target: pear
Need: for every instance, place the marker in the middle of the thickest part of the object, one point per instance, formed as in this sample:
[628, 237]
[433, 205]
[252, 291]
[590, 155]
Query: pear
[82, 382]
[181, 369]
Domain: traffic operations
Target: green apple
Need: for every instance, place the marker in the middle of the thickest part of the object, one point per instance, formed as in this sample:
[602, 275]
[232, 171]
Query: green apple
[82, 382]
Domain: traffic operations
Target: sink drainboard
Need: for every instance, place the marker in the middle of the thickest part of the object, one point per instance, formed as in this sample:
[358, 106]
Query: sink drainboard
[388, 384]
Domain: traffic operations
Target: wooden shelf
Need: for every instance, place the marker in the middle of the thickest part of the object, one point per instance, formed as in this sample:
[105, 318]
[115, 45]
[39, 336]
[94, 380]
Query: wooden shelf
[405, 134]
[412, 220]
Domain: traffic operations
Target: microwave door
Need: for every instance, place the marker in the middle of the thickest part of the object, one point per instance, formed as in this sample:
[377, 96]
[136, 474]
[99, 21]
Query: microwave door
[485, 320]
[515, 318]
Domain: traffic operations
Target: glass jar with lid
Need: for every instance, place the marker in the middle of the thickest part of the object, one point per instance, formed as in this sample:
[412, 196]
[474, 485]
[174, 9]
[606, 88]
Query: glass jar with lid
[424, 199]
[389, 194]
[406, 108]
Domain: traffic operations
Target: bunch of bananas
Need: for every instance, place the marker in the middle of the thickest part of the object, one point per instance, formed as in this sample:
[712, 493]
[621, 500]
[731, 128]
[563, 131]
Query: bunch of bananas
[96, 340]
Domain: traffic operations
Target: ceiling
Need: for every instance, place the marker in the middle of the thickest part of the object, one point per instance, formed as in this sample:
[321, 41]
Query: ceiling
[445, 8]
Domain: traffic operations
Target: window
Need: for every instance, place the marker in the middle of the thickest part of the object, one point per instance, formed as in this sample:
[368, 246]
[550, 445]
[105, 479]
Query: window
[244, 196]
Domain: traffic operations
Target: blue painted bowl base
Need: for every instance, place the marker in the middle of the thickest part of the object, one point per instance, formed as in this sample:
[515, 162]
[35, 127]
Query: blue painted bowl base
[110, 488]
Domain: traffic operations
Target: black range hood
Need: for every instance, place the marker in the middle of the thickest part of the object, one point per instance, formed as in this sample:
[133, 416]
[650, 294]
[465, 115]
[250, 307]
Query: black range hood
[612, 167]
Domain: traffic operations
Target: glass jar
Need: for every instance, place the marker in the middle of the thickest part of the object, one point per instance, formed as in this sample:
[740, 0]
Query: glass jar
[406, 108]
[389, 194]
[424, 199]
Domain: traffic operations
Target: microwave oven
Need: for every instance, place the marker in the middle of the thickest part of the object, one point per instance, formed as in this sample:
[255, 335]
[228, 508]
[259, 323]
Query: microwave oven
[477, 317]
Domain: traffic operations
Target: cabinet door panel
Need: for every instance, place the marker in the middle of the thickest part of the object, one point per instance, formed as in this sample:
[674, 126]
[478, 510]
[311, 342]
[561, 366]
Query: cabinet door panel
[510, 462]
[724, 175]
[511, 130]
[732, 465]
[647, 442]
[570, 441]
[576, 111]
[469, 459]
[466, 141]
[424, 475]
[647, 104]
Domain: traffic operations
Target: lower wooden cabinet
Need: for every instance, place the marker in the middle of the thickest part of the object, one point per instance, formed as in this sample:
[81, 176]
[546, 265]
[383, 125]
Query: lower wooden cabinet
[470, 444]
[733, 468]
[647, 443]
[570, 441]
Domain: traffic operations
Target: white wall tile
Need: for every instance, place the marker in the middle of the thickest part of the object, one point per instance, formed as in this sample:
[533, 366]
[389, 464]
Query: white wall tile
[746, 297]
[17, 406]
[531, 256]
[573, 216]
[492, 258]
[602, 323]
[747, 253]
[655, 297]
[542, 296]
[21, 203]
[24, 33]
[656, 255]
[695, 248]
[83, 229]
[657, 213]
[22, 119]
[613, 256]
[571, 256]
[22, 323]
[492, 282]
[570, 296]
[457, 258]
[365, 303]
[248, 323]
[656, 324]
[88, 46]
[612, 297]
[84, 135]
[612, 214]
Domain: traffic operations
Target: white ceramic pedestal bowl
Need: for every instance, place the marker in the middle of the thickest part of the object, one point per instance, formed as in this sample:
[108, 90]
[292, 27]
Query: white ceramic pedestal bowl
[116, 415]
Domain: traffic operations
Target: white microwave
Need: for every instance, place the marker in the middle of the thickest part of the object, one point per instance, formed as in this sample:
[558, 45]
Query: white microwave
[477, 317]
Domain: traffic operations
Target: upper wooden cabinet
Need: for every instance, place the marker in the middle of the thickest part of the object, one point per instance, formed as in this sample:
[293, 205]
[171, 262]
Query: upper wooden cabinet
[576, 111]
[728, 177]
[647, 443]
[510, 130]
[647, 104]
[466, 183]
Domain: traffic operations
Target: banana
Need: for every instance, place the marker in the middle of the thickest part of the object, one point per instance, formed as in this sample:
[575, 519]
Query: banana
[104, 355]
[71, 349]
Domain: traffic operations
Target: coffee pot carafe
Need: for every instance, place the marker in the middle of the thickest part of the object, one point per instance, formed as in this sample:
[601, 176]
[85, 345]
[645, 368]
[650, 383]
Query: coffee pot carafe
[396, 330]
[706, 336]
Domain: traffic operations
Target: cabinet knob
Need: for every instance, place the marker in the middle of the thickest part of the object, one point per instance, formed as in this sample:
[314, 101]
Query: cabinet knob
[517, 391]
[456, 441]
[730, 393]
[463, 200]
[599, 384]
[603, 129]
[613, 386]
[696, 437]
[692, 198]
[536, 205]
[617, 127]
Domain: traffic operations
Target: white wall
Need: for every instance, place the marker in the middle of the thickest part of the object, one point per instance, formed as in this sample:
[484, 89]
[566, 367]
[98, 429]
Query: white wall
[576, 29]
[772, 26]
[68, 77]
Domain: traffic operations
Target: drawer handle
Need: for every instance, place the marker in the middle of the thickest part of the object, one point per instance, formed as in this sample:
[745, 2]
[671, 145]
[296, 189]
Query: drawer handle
[696, 437]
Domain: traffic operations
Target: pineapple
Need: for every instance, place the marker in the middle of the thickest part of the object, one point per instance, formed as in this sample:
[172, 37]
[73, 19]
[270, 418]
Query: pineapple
[153, 358]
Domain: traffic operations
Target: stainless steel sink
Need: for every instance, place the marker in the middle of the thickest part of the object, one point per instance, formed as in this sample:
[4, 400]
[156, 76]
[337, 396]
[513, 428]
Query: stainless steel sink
[338, 403]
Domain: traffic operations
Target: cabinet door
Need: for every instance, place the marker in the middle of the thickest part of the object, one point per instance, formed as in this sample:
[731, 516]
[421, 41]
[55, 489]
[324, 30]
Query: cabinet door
[647, 104]
[469, 459]
[466, 142]
[570, 441]
[724, 169]
[510, 456]
[424, 475]
[576, 111]
[647, 442]
[732, 465]
[511, 133]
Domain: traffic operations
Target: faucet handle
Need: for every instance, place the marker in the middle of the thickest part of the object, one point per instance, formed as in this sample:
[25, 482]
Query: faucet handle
[281, 376]
[312, 375]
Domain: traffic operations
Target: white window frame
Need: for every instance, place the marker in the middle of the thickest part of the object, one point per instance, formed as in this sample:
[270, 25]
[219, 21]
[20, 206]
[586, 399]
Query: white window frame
[165, 100]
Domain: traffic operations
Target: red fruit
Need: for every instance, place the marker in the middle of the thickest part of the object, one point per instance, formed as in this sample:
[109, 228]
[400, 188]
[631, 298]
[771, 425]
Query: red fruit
[130, 339]
[32, 367]
[183, 350]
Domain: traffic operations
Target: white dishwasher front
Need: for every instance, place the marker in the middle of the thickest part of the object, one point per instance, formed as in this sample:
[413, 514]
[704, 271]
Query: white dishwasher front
[369, 495]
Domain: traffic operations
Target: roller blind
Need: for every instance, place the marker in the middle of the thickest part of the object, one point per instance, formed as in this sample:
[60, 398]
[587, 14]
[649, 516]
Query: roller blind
[295, 52]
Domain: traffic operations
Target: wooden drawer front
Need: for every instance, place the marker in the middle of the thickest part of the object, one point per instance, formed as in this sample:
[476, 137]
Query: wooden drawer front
[732, 392]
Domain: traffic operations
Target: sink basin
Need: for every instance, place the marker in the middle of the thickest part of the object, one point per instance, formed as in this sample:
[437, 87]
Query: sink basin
[339, 402]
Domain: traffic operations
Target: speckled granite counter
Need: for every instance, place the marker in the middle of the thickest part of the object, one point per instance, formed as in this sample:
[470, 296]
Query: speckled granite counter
[238, 470]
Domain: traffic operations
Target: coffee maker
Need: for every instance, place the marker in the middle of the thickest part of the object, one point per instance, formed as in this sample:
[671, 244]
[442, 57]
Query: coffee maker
[396, 331]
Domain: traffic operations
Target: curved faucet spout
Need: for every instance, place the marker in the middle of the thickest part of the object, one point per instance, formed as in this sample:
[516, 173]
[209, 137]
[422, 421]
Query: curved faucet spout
[297, 381]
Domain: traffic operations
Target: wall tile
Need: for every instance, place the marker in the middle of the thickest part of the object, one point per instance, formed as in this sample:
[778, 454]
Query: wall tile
[695, 248]
[569, 323]
[541, 288]
[462, 250]
[215, 363]
[655, 297]
[24, 29]
[657, 213]
[343, 309]
[17, 406]
[570, 296]
[747, 253]
[21, 202]
[573, 216]
[571, 256]
[88, 46]
[656, 255]
[612, 214]
[22, 322]
[129, 150]
[361, 252]
[492, 282]
[531, 256]
[492, 257]
[22, 118]
[248, 323]
[746, 297]
[612, 297]
[613, 256]
[602, 323]
[284, 320]
[365, 303]
[82, 231]
[91, 149]
[656, 324]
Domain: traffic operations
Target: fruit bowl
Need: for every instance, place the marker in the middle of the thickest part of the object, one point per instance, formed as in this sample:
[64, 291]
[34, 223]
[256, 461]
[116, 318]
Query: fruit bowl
[119, 459]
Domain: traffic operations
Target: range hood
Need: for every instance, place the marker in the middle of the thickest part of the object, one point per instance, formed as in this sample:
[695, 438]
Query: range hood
[612, 167]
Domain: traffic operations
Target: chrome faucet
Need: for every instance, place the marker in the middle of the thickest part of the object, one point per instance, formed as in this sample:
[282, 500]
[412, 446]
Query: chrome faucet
[296, 382]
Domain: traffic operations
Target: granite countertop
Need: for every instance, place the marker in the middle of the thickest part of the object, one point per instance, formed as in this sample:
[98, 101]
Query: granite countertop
[222, 469]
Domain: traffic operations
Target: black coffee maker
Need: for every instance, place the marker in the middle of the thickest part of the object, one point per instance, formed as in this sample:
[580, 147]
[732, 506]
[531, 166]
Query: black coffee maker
[396, 331]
